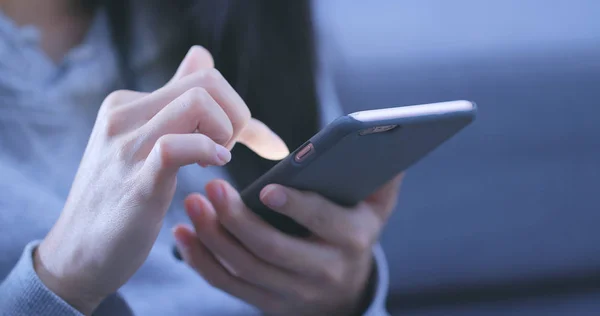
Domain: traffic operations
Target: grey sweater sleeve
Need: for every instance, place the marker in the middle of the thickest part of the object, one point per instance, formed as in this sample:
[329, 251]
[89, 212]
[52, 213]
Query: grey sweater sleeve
[377, 307]
[23, 293]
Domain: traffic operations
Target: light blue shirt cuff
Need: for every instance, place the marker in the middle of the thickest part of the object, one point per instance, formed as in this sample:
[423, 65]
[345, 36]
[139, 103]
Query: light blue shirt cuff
[377, 307]
[22, 293]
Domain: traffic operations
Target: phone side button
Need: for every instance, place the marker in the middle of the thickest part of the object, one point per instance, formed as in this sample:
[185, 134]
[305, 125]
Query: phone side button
[304, 153]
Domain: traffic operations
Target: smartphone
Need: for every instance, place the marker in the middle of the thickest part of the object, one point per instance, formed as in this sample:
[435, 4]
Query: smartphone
[356, 154]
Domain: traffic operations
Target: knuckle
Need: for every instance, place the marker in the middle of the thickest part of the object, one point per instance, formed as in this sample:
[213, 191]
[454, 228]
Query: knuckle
[111, 120]
[193, 103]
[204, 144]
[271, 250]
[224, 135]
[241, 118]
[111, 127]
[307, 295]
[195, 98]
[316, 215]
[228, 217]
[220, 131]
[164, 151]
[316, 220]
[245, 115]
[228, 130]
[359, 241]
[212, 76]
[114, 98]
[333, 273]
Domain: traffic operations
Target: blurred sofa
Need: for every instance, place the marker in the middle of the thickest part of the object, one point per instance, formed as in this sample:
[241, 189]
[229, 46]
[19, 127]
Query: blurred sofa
[505, 217]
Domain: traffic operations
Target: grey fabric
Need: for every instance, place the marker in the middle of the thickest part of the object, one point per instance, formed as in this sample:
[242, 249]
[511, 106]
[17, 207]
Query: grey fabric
[26, 295]
[47, 111]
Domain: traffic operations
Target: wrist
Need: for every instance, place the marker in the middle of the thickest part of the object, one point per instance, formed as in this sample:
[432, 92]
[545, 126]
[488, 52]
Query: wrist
[369, 289]
[69, 288]
[365, 285]
[368, 293]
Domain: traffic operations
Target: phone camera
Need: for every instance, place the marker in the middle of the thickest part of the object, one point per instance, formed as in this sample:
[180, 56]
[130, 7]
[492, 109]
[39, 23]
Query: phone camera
[377, 129]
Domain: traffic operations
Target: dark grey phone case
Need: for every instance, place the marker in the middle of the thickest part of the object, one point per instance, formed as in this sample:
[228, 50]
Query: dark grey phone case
[346, 167]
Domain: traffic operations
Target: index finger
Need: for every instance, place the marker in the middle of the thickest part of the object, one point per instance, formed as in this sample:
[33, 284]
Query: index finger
[210, 80]
[196, 59]
[263, 141]
[217, 86]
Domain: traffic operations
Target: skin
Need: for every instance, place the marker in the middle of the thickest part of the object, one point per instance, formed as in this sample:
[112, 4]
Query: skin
[239, 253]
[62, 23]
[127, 179]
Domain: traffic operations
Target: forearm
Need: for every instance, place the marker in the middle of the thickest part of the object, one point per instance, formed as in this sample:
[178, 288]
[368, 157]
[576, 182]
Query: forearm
[23, 293]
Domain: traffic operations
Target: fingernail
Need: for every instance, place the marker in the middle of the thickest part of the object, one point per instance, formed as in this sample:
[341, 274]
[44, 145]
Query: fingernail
[274, 197]
[223, 154]
[181, 239]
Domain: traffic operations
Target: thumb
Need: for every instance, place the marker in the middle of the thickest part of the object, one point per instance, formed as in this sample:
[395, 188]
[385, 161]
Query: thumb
[384, 199]
[263, 141]
[196, 59]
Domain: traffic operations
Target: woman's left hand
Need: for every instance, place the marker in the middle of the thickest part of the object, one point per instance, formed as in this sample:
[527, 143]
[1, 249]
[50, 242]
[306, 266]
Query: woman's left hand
[236, 251]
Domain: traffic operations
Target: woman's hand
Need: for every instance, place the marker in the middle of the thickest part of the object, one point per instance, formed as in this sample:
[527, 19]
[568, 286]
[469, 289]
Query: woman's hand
[234, 250]
[127, 176]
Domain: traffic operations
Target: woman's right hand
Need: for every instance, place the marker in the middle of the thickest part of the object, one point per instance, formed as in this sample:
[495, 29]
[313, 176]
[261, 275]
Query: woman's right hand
[127, 177]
